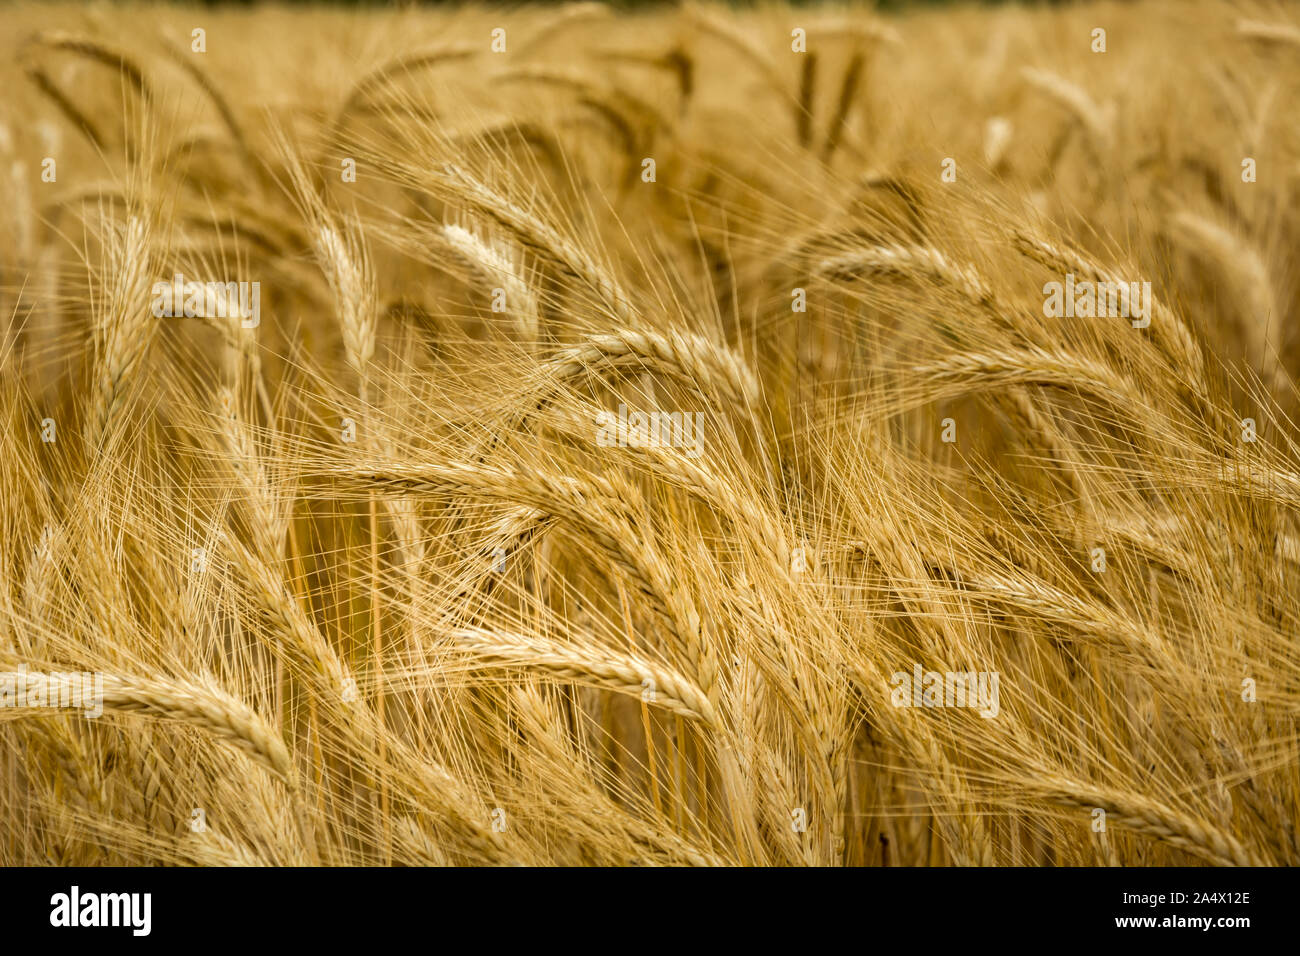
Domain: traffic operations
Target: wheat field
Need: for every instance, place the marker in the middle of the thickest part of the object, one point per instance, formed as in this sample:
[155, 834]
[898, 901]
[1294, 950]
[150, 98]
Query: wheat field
[691, 436]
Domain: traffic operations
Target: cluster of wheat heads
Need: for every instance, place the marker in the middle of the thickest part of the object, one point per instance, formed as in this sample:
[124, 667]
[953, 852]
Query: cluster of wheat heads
[631, 404]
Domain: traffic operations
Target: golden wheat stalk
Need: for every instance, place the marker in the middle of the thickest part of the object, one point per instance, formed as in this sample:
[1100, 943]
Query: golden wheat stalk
[587, 662]
[203, 707]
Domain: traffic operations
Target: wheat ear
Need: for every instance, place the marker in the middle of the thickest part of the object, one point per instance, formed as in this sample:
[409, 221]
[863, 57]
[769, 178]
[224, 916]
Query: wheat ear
[1283, 33]
[588, 662]
[1152, 818]
[1170, 331]
[195, 705]
[124, 323]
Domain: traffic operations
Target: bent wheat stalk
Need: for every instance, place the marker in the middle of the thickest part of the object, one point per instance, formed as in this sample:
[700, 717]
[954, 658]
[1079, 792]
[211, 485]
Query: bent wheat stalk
[1151, 818]
[656, 684]
[203, 707]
